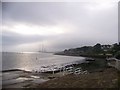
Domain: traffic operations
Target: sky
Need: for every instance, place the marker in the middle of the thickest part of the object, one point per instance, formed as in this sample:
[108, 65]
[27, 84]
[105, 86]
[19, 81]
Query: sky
[55, 26]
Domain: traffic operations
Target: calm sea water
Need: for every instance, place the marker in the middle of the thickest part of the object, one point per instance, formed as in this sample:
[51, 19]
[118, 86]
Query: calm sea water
[34, 61]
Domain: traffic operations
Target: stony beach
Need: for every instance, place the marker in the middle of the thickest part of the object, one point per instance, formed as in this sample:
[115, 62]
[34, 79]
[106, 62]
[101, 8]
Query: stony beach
[24, 79]
[97, 77]
[104, 79]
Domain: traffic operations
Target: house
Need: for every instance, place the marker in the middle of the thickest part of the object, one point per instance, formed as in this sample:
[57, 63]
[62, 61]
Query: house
[106, 47]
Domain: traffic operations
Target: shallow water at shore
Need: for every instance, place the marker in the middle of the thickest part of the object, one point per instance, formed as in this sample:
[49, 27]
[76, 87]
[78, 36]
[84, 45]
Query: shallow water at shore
[34, 61]
[17, 68]
[21, 79]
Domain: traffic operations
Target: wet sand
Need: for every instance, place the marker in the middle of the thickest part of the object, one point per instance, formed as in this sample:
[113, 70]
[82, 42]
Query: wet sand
[24, 79]
[21, 79]
[108, 78]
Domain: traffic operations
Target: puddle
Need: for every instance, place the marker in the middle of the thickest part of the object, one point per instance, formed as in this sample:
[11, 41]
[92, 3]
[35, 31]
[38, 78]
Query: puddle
[20, 79]
[38, 81]
[23, 78]
[12, 81]
[36, 77]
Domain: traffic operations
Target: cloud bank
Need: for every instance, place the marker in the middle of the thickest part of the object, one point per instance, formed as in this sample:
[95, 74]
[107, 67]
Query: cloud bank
[58, 25]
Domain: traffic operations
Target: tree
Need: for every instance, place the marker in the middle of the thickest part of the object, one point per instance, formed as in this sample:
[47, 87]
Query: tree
[117, 55]
[97, 48]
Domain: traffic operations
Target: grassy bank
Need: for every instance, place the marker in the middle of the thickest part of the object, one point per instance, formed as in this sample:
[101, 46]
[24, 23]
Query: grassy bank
[119, 79]
[97, 65]
[95, 55]
[108, 78]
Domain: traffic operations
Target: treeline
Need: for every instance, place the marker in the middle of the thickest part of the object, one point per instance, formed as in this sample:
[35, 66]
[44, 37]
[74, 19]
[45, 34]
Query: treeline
[98, 50]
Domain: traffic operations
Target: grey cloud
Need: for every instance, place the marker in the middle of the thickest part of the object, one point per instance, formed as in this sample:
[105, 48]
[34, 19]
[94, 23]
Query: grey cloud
[119, 21]
[43, 13]
[30, 12]
[90, 26]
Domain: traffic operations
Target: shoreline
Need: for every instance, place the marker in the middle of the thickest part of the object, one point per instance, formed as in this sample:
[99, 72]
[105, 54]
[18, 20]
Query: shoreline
[27, 79]
[27, 76]
[66, 81]
[11, 70]
[91, 56]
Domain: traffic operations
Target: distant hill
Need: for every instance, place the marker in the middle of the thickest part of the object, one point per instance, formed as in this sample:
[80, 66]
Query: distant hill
[97, 50]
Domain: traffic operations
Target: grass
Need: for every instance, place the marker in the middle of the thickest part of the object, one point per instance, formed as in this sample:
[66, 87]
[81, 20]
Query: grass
[106, 79]
[97, 65]
[119, 79]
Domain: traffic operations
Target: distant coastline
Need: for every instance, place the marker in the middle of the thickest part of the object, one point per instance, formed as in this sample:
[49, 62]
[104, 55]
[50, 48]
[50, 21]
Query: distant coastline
[96, 51]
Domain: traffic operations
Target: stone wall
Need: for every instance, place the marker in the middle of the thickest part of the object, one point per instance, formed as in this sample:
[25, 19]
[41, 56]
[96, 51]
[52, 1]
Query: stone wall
[118, 64]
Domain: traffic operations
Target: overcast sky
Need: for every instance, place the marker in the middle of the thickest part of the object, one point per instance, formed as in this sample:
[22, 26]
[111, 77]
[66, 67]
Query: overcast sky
[29, 26]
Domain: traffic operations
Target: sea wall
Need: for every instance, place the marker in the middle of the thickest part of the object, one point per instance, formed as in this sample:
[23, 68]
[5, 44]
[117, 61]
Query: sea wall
[118, 64]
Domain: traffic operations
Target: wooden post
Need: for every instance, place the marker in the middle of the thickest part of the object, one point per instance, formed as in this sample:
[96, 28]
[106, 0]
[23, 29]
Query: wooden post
[53, 71]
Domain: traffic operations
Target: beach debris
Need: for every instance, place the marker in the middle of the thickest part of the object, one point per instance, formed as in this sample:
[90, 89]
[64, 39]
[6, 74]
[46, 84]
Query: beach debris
[77, 71]
[89, 59]
[63, 68]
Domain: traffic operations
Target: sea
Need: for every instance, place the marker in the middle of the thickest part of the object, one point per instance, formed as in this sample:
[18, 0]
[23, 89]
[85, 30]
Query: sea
[30, 61]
